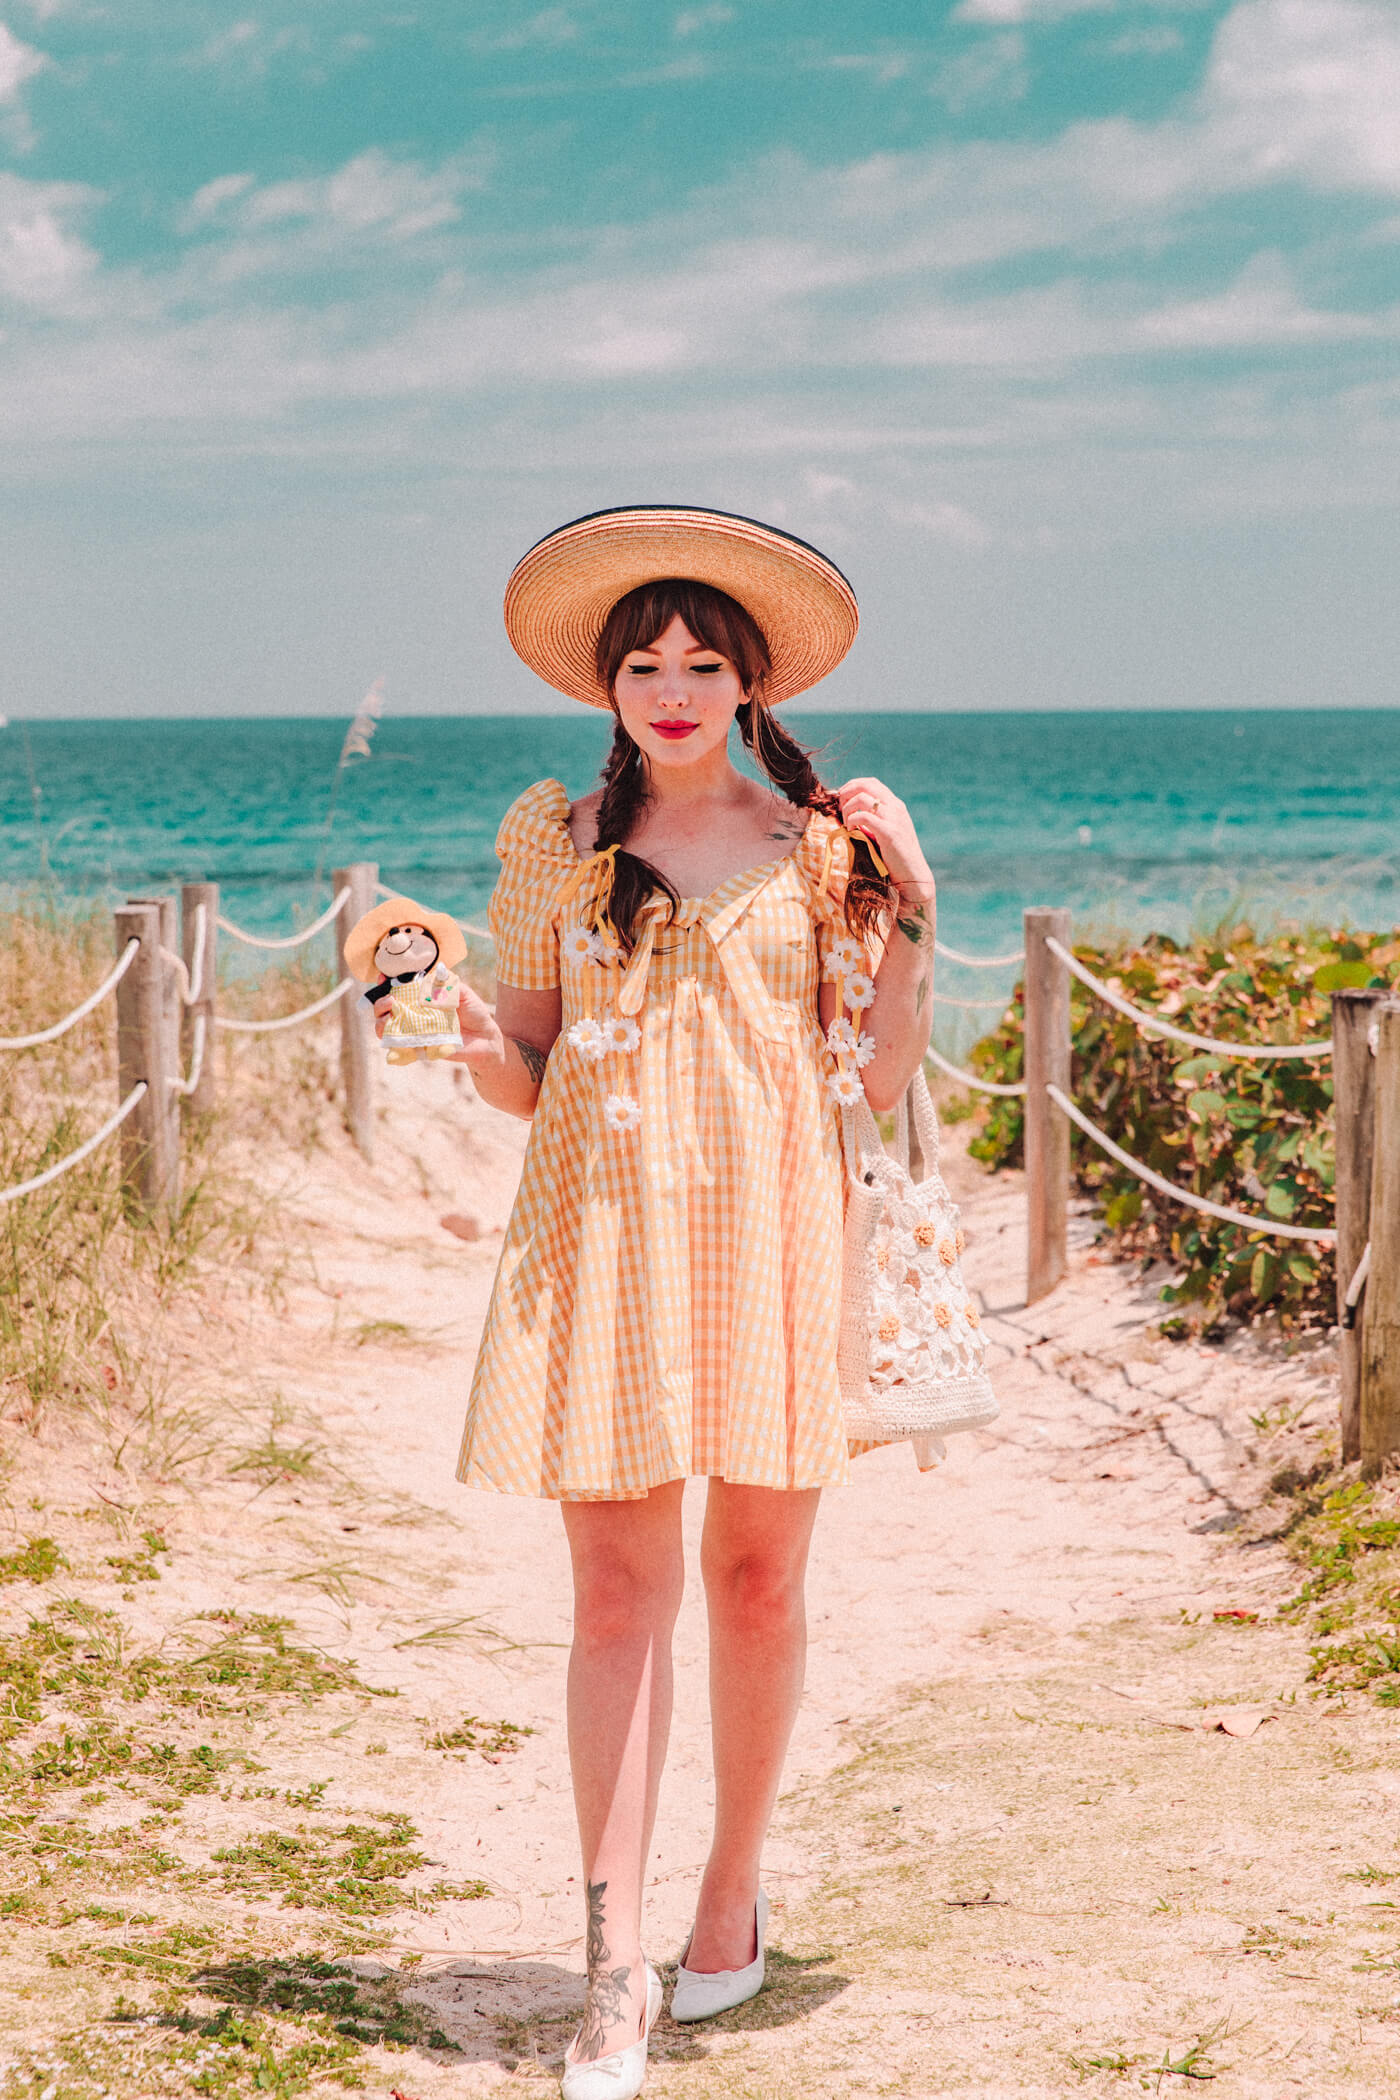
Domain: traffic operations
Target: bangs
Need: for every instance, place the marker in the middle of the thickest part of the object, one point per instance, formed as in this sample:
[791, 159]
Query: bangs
[714, 618]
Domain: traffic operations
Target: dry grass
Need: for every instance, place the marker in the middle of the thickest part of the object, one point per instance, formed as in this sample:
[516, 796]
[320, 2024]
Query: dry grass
[86, 1291]
[1053, 1886]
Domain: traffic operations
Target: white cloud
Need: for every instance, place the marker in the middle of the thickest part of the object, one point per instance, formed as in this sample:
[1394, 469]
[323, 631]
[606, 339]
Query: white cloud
[1261, 307]
[994, 70]
[208, 203]
[18, 63]
[1002, 12]
[1308, 88]
[862, 278]
[550, 29]
[634, 350]
[945, 521]
[692, 20]
[43, 263]
[370, 195]
[250, 49]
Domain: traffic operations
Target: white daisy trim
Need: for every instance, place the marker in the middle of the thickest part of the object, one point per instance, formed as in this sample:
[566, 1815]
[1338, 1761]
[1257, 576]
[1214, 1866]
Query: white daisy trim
[581, 945]
[588, 1038]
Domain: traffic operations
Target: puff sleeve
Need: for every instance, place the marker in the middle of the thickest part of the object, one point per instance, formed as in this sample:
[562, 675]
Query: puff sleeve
[537, 855]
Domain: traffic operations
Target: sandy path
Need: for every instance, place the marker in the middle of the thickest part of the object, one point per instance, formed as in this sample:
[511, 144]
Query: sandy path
[1104, 1496]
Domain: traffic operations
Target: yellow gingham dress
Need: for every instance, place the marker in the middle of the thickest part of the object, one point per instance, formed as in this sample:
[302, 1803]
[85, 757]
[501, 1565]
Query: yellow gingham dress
[668, 1294]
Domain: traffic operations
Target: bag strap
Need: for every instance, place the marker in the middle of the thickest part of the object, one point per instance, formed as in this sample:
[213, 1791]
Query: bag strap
[916, 1130]
[860, 1140]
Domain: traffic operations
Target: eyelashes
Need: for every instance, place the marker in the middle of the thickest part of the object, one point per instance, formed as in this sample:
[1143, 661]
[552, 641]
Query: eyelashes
[650, 670]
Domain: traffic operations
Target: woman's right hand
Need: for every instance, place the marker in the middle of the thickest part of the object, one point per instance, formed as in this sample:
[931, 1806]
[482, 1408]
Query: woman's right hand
[482, 1041]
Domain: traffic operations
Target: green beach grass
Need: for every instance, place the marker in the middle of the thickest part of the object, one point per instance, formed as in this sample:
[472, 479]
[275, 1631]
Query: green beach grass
[1254, 1136]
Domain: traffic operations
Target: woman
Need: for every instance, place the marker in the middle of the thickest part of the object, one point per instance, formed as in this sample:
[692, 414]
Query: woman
[669, 955]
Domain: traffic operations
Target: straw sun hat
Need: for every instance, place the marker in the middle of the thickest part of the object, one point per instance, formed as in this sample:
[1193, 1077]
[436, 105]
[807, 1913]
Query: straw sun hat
[366, 934]
[561, 593]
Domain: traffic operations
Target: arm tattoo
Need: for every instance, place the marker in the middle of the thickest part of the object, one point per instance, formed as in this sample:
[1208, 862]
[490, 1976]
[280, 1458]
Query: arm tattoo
[607, 1988]
[532, 1057]
[915, 927]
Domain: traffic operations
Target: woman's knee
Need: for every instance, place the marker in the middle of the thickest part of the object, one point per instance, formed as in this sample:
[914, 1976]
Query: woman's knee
[618, 1599]
[756, 1592]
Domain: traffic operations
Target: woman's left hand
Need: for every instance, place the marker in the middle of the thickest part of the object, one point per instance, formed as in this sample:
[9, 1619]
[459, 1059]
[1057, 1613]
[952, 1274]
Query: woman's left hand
[876, 812]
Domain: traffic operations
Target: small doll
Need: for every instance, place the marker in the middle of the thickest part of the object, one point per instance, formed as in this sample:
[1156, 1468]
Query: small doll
[403, 952]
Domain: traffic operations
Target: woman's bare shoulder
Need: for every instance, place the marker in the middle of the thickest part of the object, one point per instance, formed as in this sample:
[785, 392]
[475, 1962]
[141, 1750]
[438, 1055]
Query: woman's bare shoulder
[583, 820]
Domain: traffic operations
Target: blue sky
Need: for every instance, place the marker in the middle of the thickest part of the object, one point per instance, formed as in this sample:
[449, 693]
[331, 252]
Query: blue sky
[1069, 330]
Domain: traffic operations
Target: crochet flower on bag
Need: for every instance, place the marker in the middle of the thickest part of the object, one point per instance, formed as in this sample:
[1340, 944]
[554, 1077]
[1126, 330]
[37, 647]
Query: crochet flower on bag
[844, 1087]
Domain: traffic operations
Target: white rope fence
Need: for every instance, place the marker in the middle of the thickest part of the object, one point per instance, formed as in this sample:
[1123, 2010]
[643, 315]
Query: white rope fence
[1159, 1026]
[1274, 1228]
[51, 1035]
[188, 1084]
[317, 1006]
[291, 940]
[983, 1086]
[74, 1159]
[979, 962]
[191, 985]
[972, 1005]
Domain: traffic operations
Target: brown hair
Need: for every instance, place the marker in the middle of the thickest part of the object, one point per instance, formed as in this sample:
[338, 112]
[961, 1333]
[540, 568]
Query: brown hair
[722, 624]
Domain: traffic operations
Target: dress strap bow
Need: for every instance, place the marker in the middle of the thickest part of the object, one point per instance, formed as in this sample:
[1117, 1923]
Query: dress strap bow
[601, 865]
[852, 839]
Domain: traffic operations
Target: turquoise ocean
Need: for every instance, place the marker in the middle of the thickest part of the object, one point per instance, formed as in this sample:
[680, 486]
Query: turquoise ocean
[1138, 822]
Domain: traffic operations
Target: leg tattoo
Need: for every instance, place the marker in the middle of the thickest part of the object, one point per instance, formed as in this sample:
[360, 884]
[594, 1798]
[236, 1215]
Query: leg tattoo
[607, 1988]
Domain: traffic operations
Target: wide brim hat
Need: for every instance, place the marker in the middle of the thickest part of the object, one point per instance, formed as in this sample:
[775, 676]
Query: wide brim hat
[562, 591]
[366, 934]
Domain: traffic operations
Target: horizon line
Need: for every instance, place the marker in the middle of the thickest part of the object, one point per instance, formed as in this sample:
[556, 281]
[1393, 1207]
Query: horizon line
[576, 712]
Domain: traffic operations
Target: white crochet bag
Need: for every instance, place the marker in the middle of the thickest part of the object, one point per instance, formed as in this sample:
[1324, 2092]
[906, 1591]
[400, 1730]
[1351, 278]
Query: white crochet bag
[911, 1350]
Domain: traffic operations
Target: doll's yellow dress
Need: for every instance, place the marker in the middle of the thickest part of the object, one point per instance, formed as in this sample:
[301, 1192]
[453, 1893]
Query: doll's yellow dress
[670, 1283]
[418, 1027]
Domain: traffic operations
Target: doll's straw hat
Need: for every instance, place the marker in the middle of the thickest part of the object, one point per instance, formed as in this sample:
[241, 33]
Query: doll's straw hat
[366, 934]
[562, 591]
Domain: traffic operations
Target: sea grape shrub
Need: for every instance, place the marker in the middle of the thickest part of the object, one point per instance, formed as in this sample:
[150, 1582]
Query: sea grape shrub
[1255, 1136]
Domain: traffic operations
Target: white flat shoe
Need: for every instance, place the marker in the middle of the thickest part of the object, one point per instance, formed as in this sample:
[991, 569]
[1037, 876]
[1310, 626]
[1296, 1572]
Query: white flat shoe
[698, 1996]
[616, 2077]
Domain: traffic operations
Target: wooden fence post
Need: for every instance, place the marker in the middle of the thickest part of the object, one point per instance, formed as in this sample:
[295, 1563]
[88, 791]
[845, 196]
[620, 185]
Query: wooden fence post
[1380, 1335]
[151, 1133]
[1047, 1062]
[357, 1044]
[200, 949]
[1353, 1121]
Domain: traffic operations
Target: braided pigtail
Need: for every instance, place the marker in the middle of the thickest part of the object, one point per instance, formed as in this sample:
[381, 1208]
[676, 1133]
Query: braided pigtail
[625, 796]
[790, 769]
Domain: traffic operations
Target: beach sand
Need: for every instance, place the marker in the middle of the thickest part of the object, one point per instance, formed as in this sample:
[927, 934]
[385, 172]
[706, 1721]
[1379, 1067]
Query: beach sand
[1016, 1849]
